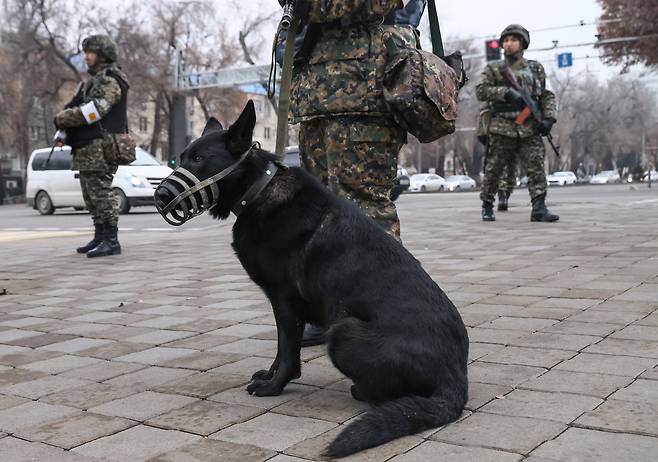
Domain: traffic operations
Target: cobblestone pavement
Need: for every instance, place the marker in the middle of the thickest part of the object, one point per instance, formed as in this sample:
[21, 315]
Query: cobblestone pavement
[145, 356]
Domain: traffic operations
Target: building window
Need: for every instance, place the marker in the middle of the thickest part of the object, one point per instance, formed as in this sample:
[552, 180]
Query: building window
[266, 133]
[258, 106]
[143, 124]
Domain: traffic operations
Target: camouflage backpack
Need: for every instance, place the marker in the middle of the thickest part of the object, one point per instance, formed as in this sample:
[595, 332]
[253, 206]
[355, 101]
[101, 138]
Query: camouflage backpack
[421, 89]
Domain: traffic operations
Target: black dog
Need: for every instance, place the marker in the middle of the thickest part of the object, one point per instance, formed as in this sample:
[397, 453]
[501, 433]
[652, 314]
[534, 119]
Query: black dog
[319, 259]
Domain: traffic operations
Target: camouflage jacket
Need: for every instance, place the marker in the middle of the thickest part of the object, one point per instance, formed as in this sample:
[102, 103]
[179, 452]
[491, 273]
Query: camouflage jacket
[104, 91]
[344, 72]
[493, 88]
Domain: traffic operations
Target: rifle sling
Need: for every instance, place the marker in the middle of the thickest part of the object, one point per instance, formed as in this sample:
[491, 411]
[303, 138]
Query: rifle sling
[284, 89]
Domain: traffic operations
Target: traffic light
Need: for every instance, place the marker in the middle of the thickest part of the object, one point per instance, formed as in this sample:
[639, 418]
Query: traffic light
[492, 48]
[172, 163]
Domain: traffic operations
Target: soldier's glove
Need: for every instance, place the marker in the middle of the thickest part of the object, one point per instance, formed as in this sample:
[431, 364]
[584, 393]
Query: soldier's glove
[513, 96]
[483, 139]
[545, 126]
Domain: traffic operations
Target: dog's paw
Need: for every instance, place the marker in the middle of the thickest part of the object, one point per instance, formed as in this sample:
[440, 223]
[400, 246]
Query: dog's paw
[264, 388]
[263, 374]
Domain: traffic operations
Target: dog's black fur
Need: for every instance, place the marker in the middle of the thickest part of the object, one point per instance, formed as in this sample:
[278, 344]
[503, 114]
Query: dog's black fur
[319, 259]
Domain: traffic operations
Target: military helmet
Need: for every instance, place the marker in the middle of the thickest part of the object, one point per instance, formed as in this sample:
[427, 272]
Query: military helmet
[102, 45]
[518, 30]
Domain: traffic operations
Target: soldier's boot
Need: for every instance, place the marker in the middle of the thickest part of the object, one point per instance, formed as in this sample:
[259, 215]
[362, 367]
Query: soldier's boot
[313, 335]
[487, 211]
[109, 245]
[503, 197]
[540, 212]
[94, 242]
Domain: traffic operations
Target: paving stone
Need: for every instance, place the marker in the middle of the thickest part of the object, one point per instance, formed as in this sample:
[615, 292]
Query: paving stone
[581, 445]
[75, 345]
[477, 350]
[14, 376]
[429, 450]
[15, 334]
[324, 404]
[640, 391]
[142, 406]
[576, 303]
[311, 449]
[20, 358]
[318, 375]
[540, 357]
[201, 342]
[103, 370]
[88, 396]
[205, 360]
[561, 407]
[499, 336]
[599, 385]
[149, 378]
[245, 367]
[73, 431]
[40, 340]
[216, 451]
[163, 322]
[568, 327]
[522, 324]
[155, 356]
[642, 293]
[606, 317]
[607, 364]
[556, 341]
[202, 385]
[274, 431]
[249, 346]
[35, 389]
[114, 350]
[15, 450]
[480, 394]
[616, 346]
[239, 395]
[205, 417]
[32, 413]
[645, 333]
[10, 401]
[513, 434]
[502, 374]
[136, 444]
[623, 416]
[60, 364]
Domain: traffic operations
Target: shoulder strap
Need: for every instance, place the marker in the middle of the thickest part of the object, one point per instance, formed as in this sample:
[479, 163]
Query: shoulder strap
[284, 89]
[435, 31]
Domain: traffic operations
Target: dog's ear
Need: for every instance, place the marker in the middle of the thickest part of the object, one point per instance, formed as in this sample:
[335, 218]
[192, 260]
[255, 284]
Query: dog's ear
[212, 125]
[240, 133]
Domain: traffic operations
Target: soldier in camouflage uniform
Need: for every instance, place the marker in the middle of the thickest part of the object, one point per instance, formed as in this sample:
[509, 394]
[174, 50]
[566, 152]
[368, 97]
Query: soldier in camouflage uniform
[97, 110]
[507, 139]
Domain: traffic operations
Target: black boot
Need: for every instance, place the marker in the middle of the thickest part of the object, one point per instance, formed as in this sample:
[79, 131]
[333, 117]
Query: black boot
[94, 242]
[487, 211]
[503, 197]
[313, 335]
[109, 245]
[540, 212]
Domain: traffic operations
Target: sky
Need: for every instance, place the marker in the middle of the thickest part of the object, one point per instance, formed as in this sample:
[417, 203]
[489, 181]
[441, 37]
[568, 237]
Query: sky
[480, 18]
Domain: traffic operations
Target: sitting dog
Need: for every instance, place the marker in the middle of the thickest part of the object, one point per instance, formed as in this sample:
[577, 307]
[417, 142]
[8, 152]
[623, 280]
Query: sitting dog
[319, 259]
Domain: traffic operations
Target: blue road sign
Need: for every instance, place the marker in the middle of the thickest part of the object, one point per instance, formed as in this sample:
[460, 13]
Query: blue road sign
[565, 60]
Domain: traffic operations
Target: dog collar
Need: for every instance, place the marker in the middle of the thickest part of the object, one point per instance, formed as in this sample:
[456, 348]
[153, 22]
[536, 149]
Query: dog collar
[252, 193]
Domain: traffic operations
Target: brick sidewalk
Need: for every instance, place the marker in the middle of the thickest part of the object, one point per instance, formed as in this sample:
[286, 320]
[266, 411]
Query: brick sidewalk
[145, 357]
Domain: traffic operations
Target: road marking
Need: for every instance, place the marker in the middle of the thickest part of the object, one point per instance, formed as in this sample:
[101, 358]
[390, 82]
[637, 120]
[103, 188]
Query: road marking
[6, 236]
[645, 201]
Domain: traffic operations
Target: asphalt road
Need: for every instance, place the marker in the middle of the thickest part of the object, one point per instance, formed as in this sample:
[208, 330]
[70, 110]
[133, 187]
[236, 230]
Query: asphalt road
[17, 218]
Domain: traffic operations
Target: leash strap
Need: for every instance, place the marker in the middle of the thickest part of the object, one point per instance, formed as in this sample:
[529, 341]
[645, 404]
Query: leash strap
[435, 30]
[284, 91]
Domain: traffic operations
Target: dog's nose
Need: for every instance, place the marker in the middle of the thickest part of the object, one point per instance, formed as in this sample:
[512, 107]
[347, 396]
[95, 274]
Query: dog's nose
[162, 196]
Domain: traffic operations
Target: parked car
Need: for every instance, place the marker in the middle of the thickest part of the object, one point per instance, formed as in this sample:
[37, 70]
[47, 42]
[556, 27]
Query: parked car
[606, 177]
[54, 185]
[402, 183]
[459, 183]
[654, 176]
[523, 181]
[426, 182]
[291, 156]
[561, 178]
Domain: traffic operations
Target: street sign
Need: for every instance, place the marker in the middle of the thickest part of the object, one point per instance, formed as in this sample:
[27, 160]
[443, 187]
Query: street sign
[565, 60]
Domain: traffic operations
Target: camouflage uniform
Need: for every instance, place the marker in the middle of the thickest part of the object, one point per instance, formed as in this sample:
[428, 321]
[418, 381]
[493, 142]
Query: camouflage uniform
[96, 174]
[507, 139]
[348, 137]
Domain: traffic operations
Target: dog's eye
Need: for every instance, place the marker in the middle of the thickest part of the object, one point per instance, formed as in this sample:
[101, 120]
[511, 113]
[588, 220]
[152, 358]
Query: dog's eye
[196, 158]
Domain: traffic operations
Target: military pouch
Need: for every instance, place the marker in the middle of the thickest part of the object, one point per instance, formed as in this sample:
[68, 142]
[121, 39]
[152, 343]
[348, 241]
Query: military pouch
[421, 89]
[120, 149]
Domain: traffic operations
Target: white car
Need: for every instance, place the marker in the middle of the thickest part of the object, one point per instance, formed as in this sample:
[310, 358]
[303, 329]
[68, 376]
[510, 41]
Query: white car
[54, 185]
[459, 183]
[561, 178]
[605, 177]
[426, 182]
[654, 176]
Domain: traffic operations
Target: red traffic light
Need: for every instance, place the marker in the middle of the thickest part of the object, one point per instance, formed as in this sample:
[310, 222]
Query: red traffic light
[493, 44]
[492, 48]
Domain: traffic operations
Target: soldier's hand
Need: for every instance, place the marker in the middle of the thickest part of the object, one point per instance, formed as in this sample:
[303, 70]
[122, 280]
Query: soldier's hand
[513, 96]
[545, 126]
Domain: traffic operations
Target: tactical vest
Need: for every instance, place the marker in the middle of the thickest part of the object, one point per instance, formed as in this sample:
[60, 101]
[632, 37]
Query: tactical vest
[115, 121]
[528, 79]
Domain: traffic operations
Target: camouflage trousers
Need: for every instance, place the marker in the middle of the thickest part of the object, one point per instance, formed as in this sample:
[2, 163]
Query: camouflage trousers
[356, 157]
[508, 177]
[504, 150]
[99, 198]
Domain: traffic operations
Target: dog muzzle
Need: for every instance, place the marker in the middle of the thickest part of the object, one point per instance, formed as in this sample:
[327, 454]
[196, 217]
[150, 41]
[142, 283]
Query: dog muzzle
[192, 196]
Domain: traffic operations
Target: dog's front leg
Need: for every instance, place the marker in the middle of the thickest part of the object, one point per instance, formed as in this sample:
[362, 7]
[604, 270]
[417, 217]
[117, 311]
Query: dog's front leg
[286, 365]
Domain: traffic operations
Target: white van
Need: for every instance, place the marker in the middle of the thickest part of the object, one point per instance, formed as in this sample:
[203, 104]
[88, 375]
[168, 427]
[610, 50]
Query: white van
[55, 185]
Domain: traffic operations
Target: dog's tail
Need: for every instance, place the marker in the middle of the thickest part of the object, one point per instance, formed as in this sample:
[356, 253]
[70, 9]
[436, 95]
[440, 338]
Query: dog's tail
[393, 419]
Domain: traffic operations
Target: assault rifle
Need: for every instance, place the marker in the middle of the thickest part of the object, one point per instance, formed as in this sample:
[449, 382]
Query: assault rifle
[531, 108]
